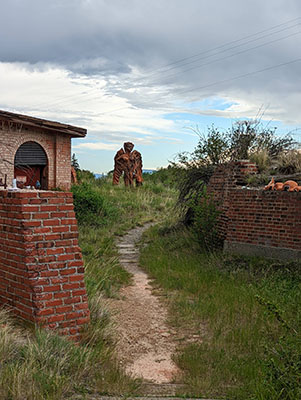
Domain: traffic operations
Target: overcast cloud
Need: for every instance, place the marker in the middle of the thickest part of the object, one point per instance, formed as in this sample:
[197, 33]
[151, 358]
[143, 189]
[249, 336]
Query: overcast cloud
[98, 63]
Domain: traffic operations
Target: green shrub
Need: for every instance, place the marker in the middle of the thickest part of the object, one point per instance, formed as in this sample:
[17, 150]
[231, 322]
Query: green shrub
[213, 148]
[91, 207]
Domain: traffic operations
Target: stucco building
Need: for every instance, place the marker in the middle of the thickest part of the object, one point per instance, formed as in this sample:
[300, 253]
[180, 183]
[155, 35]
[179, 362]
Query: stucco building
[36, 150]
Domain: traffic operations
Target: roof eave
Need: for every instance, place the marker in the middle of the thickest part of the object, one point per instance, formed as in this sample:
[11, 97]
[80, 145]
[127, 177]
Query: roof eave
[73, 131]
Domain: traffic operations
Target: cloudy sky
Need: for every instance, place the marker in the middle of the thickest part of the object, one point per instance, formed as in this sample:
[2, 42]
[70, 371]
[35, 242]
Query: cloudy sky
[150, 70]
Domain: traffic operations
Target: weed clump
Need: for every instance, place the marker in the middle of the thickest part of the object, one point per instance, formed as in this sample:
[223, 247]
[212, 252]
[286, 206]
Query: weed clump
[204, 220]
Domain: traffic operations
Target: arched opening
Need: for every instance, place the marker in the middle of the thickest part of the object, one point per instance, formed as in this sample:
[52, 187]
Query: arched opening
[31, 166]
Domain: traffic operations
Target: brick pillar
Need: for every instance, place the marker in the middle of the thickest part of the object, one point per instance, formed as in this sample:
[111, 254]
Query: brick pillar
[225, 178]
[41, 266]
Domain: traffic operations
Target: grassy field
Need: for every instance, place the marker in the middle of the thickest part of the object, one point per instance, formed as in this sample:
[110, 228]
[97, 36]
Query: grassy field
[246, 313]
[36, 364]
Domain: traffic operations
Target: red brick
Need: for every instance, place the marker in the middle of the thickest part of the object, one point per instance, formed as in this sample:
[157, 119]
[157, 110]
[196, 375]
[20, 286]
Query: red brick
[53, 303]
[83, 320]
[72, 300]
[40, 215]
[56, 318]
[63, 309]
[65, 257]
[68, 271]
[70, 286]
[51, 222]
[52, 288]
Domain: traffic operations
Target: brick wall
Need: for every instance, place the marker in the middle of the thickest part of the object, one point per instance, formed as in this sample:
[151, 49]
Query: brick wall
[265, 218]
[57, 147]
[254, 221]
[225, 178]
[41, 266]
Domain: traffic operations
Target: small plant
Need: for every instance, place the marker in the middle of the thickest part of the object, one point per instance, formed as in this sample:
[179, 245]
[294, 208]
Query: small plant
[205, 220]
[283, 370]
[261, 159]
[289, 162]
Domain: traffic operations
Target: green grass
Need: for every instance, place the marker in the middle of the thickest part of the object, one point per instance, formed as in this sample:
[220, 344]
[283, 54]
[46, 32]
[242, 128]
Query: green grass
[42, 365]
[245, 311]
[103, 274]
[36, 364]
[239, 307]
[125, 209]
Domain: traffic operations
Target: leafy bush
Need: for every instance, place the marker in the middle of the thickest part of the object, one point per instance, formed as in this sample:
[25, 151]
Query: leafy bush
[91, 207]
[250, 136]
[241, 141]
[213, 148]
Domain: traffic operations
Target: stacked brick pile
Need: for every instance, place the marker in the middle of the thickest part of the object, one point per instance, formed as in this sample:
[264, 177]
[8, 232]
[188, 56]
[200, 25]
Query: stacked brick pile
[41, 266]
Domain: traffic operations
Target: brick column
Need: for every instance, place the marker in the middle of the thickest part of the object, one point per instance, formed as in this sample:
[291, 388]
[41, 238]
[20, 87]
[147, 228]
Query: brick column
[41, 266]
[225, 178]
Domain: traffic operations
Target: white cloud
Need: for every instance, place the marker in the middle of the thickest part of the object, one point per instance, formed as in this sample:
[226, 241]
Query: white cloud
[96, 146]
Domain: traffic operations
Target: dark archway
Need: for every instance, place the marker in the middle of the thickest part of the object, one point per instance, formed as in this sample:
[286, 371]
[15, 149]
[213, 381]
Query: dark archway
[31, 166]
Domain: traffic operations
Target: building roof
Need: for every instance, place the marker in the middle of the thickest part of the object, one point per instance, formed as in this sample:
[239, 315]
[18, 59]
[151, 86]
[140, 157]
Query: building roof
[53, 126]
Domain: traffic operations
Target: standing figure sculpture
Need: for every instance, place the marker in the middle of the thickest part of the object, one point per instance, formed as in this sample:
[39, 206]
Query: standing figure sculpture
[129, 163]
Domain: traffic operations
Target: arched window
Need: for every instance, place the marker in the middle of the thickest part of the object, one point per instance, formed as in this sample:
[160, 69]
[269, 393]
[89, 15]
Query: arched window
[31, 166]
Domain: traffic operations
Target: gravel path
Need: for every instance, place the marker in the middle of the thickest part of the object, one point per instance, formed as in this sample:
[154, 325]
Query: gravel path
[145, 344]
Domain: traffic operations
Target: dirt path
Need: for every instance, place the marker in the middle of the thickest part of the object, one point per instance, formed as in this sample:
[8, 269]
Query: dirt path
[145, 343]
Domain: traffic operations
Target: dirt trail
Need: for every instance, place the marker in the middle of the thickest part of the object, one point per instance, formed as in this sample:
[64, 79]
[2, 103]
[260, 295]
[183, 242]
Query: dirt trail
[145, 343]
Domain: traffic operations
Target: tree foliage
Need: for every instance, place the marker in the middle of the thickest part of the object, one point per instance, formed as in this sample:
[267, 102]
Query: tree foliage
[243, 140]
[74, 162]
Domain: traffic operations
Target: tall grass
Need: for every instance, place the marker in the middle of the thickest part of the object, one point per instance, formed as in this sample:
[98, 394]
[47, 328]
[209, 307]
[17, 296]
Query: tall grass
[37, 364]
[243, 350]
[47, 366]
[42, 366]
[123, 209]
